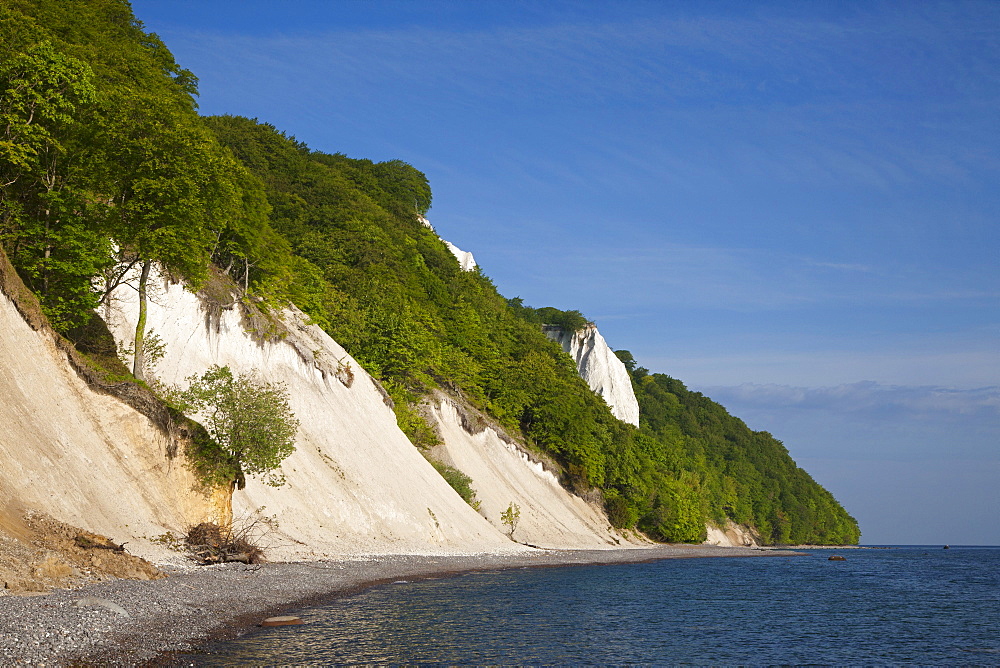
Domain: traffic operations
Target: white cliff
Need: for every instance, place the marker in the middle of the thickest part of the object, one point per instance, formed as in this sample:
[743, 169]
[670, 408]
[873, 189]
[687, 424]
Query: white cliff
[82, 456]
[465, 259]
[355, 484]
[732, 535]
[503, 474]
[600, 367]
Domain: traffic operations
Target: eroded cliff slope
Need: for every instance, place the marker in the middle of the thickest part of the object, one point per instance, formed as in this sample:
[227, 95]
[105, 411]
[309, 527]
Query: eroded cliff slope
[82, 456]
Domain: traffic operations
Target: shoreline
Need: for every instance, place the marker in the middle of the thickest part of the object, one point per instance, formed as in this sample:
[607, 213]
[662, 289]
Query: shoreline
[130, 622]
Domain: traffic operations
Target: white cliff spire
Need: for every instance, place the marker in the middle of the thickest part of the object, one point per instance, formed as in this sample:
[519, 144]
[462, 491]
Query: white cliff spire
[600, 367]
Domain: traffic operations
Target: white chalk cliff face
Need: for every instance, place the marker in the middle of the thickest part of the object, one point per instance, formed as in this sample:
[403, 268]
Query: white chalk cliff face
[82, 456]
[465, 259]
[601, 368]
[732, 535]
[355, 484]
[503, 474]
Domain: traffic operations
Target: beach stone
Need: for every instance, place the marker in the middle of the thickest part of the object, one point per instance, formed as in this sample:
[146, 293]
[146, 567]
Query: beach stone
[837, 557]
[284, 620]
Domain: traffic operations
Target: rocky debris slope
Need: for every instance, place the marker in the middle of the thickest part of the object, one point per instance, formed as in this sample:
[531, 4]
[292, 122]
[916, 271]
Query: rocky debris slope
[598, 365]
[38, 554]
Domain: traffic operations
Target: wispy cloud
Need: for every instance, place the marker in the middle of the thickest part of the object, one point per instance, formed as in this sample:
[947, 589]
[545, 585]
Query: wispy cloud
[784, 97]
[870, 421]
[842, 266]
[964, 361]
[868, 397]
[738, 279]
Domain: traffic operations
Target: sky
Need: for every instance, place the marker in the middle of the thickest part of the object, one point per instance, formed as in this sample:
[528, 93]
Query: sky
[792, 207]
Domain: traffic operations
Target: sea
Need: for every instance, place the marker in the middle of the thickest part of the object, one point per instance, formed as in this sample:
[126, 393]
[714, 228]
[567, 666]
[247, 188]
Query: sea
[905, 605]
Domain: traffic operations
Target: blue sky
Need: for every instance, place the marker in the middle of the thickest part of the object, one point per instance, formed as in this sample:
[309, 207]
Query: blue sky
[793, 207]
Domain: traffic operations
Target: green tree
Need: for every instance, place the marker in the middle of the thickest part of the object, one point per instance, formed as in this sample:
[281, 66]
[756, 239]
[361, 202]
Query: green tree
[510, 518]
[171, 194]
[44, 94]
[249, 420]
[40, 90]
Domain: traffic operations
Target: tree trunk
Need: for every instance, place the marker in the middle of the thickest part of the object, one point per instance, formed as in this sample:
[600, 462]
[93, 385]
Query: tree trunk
[139, 360]
[222, 504]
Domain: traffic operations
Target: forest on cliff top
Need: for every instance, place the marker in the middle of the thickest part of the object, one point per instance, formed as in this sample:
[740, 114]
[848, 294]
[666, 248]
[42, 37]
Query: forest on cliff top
[106, 165]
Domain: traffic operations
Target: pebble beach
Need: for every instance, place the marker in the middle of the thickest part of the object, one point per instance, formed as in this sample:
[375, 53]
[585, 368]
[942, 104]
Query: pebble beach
[155, 622]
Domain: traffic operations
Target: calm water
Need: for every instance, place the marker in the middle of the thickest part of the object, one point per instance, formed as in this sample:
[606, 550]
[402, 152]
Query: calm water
[899, 606]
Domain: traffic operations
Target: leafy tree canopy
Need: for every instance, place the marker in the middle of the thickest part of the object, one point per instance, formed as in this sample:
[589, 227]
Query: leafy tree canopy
[249, 420]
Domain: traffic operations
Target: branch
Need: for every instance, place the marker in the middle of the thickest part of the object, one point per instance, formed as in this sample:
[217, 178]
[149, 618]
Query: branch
[119, 280]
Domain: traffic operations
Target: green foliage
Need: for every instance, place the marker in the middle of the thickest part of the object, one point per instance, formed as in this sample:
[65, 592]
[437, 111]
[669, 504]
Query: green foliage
[571, 321]
[626, 359]
[460, 482]
[42, 93]
[405, 404]
[104, 162]
[739, 474]
[510, 518]
[251, 425]
[42, 90]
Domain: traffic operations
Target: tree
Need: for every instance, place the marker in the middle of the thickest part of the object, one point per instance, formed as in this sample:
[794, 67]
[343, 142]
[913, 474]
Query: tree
[249, 420]
[627, 359]
[510, 518]
[44, 94]
[170, 193]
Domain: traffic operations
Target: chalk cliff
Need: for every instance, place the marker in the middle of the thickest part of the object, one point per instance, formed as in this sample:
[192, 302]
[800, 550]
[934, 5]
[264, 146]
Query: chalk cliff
[465, 259]
[80, 455]
[504, 474]
[731, 535]
[355, 483]
[598, 365]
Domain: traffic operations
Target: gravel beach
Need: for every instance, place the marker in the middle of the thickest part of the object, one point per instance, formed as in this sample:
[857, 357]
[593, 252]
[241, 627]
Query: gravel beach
[130, 622]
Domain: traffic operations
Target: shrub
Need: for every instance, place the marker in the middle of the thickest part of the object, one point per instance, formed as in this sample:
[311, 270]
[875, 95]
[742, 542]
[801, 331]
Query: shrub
[460, 482]
[510, 517]
[249, 420]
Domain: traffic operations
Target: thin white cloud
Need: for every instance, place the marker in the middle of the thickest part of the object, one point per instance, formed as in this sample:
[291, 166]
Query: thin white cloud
[842, 266]
[867, 397]
[657, 275]
[965, 361]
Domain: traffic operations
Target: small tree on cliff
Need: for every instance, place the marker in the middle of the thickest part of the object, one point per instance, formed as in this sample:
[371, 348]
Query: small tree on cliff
[249, 420]
[510, 518]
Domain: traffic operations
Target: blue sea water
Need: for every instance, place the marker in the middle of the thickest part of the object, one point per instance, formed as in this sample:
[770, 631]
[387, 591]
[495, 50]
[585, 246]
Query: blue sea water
[908, 605]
